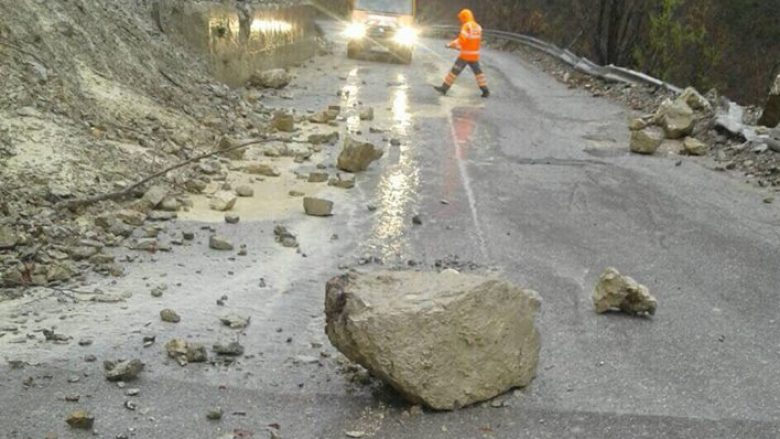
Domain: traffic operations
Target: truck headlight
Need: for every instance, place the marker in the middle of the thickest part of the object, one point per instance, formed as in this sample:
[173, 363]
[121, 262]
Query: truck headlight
[405, 36]
[355, 31]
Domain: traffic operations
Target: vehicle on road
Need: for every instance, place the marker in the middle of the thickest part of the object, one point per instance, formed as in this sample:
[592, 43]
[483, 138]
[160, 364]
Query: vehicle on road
[382, 27]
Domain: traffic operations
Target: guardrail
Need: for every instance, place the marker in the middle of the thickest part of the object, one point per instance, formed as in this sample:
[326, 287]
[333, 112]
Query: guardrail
[610, 73]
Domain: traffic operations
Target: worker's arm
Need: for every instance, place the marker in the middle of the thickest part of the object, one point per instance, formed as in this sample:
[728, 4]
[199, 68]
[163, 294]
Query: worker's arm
[454, 44]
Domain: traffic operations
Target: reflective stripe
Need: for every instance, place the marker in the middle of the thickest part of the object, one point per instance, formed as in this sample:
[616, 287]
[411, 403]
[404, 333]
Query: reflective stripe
[469, 52]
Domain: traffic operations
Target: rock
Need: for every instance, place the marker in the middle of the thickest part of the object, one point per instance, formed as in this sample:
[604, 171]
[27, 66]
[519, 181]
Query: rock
[647, 140]
[296, 194]
[283, 122]
[235, 321]
[357, 156]
[637, 124]
[184, 352]
[771, 115]
[131, 217]
[245, 191]
[367, 113]
[769, 200]
[445, 341]
[155, 195]
[232, 149]
[695, 146]
[188, 236]
[170, 316]
[274, 78]
[123, 370]
[317, 206]
[195, 186]
[231, 349]
[318, 177]
[214, 414]
[220, 243]
[343, 181]
[261, 169]
[158, 290]
[318, 139]
[157, 215]
[417, 220]
[81, 419]
[232, 219]
[8, 238]
[222, 201]
[695, 100]
[284, 237]
[676, 118]
[617, 292]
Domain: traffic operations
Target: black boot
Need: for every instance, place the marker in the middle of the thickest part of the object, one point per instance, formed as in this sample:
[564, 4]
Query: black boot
[443, 89]
[485, 92]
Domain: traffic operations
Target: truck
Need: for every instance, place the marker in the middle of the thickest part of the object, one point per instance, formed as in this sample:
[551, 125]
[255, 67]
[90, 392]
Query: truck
[382, 27]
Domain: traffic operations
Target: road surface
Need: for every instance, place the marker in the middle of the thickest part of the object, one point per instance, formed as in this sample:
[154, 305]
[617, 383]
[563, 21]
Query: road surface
[535, 183]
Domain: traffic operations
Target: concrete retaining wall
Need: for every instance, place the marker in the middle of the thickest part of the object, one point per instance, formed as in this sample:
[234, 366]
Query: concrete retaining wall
[239, 39]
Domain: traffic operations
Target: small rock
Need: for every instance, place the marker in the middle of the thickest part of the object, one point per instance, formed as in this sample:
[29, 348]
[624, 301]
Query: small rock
[356, 156]
[220, 243]
[123, 370]
[296, 194]
[222, 201]
[158, 290]
[647, 140]
[170, 316]
[343, 181]
[318, 177]
[769, 200]
[318, 139]
[695, 146]
[188, 236]
[284, 237]
[230, 349]
[283, 122]
[232, 219]
[245, 191]
[86, 342]
[235, 321]
[81, 419]
[131, 217]
[274, 78]
[317, 206]
[263, 169]
[417, 220]
[355, 434]
[367, 113]
[214, 414]
[617, 292]
[133, 392]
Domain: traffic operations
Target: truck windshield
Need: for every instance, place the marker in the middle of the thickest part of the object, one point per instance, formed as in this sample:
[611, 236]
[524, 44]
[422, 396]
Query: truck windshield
[400, 7]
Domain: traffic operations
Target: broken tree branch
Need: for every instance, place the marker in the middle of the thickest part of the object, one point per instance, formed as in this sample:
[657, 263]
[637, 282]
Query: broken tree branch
[72, 204]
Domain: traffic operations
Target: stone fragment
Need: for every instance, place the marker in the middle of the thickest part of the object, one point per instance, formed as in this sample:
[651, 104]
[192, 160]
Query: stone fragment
[245, 191]
[123, 370]
[274, 78]
[343, 181]
[283, 122]
[131, 217]
[155, 195]
[617, 292]
[676, 118]
[317, 206]
[231, 349]
[263, 169]
[318, 139]
[235, 321]
[170, 316]
[637, 124]
[184, 352]
[232, 148]
[222, 201]
[214, 414]
[695, 146]
[356, 156]
[81, 419]
[220, 243]
[8, 238]
[367, 113]
[647, 140]
[445, 341]
[285, 237]
[318, 177]
[695, 100]
[232, 218]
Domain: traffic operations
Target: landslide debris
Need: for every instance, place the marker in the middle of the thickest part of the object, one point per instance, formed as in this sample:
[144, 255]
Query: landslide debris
[615, 292]
[445, 340]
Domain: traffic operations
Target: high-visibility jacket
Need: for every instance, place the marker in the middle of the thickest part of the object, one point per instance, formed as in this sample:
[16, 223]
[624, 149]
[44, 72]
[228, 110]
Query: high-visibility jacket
[470, 39]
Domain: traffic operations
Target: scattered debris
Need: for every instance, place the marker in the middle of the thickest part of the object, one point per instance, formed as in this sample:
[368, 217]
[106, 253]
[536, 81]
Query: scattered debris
[81, 419]
[317, 206]
[184, 352]
[617, 292]
[356, 156]
[123, 370]
[422, 335]
[284, 237]
[170, 316]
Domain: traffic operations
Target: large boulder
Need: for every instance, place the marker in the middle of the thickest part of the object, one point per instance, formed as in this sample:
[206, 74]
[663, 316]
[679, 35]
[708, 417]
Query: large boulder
[356, 156]
[615, 292]
[771, 116]
[676, 118]
[274, 78]
[646, 140]
[444, 340]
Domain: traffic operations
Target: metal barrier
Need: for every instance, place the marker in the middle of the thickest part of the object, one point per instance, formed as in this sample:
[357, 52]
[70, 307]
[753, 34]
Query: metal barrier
[610, 73]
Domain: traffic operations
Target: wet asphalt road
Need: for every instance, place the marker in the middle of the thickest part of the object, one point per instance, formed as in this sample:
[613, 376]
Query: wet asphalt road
[534, 183]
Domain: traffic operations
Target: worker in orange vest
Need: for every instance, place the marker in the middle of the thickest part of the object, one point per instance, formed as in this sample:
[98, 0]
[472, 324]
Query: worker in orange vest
[468, 42]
